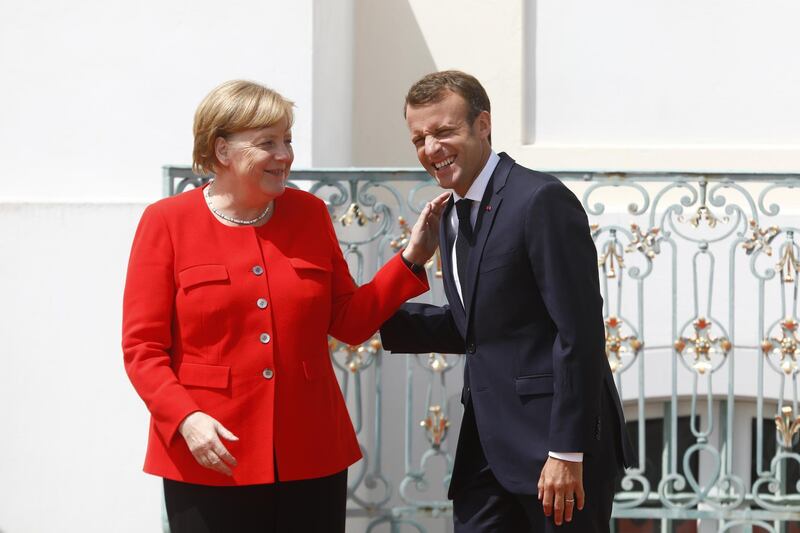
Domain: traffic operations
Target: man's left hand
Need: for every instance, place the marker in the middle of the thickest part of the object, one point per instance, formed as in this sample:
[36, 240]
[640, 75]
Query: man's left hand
[561, 489]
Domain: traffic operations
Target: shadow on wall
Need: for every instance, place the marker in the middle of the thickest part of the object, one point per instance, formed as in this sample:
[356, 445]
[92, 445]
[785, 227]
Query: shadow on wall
[529, 75]
[390, 55]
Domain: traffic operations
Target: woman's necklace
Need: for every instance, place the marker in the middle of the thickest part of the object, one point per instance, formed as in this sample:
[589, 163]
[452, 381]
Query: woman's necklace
[207, 194]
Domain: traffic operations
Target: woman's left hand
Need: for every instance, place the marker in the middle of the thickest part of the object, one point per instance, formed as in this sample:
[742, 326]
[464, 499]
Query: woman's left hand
[424, 237]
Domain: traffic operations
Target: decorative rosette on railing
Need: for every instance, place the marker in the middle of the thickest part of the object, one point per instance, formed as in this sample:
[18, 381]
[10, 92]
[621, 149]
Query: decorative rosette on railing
[363, 207]
[701, 346]
[704, 214]
[400, 240]
[435, 425]
[760, 239]
[356, 357]
[618, 345]
[355, 214]
[436, 362]
[784, 348]
[646, 242]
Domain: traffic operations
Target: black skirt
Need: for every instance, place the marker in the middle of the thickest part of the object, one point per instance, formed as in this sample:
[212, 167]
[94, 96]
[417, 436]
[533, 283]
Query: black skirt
[307, 506]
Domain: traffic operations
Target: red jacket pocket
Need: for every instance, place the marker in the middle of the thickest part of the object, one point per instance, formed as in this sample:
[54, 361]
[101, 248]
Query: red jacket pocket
[195, 275]
[199, 375]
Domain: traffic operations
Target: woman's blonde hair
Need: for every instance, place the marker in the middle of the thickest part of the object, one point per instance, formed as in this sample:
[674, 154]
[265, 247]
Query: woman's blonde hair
[234, 106]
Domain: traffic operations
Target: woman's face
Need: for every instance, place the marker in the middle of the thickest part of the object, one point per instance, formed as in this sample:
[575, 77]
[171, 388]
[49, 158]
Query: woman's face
[259, 159]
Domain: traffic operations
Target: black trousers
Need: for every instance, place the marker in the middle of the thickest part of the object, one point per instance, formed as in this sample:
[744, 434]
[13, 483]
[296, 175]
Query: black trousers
[306, 506]
[482, 505]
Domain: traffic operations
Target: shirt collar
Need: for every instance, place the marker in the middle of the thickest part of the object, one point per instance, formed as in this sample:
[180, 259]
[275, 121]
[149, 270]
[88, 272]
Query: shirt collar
[478, 186]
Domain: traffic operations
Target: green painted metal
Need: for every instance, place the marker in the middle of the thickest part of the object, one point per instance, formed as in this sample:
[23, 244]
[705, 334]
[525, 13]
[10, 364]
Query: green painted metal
[692, 229]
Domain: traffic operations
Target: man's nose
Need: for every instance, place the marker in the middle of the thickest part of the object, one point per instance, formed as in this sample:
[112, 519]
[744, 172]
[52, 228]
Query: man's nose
[432, 146]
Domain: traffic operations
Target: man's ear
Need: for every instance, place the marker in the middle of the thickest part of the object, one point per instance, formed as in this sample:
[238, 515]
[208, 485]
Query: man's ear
[221, 151]
[483, 125]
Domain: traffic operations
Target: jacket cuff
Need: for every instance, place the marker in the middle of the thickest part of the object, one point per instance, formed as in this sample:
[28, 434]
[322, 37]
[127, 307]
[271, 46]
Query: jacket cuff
[417, 271]
[169, 428]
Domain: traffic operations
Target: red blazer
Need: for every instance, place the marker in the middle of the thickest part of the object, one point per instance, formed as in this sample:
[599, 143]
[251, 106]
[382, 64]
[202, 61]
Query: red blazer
[234, 322]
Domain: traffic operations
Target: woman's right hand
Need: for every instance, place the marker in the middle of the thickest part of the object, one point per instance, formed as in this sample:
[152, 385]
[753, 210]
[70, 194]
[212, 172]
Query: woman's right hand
[424, 238]
[202, 434]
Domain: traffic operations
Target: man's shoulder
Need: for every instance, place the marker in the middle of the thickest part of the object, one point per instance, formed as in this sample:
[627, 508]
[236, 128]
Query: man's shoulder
[537, 177]
[524, 187]
[525, 181]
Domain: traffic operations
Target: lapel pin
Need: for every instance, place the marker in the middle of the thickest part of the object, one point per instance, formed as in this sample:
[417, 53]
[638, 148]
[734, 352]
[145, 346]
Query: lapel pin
[488, 208]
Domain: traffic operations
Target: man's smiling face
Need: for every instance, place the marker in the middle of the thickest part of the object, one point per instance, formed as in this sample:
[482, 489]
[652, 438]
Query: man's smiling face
[450, 148]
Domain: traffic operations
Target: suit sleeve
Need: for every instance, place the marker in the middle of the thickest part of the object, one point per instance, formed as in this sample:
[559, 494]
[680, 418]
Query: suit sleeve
[564, 262]
[421, 328]
[147, 311]
[357, 312]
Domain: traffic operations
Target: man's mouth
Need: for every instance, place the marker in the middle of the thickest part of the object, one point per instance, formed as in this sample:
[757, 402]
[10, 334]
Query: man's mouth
[446, 163]
[277, 172]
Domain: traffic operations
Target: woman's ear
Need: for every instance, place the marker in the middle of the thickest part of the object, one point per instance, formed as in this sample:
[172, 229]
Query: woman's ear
[221, 151]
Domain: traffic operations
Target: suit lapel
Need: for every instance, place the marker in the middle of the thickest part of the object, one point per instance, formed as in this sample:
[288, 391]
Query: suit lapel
[490, 205]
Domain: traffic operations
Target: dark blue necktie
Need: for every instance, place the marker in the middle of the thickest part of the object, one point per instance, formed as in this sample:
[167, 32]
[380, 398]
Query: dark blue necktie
[463, 243]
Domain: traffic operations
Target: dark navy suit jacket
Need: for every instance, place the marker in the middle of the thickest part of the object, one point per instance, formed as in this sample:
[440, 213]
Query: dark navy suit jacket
[532, 329]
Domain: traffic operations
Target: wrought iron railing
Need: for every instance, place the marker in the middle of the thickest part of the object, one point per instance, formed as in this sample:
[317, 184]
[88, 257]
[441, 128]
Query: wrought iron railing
[699, 274]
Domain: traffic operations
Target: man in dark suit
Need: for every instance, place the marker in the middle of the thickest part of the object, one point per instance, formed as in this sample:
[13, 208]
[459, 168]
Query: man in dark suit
[543, 436]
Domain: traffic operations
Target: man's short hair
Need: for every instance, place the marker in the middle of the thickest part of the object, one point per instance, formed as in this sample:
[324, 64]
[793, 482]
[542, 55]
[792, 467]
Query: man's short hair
[434, 87]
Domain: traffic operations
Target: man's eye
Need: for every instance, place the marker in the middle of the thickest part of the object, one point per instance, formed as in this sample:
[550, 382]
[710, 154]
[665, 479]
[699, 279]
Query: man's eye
[288, 141]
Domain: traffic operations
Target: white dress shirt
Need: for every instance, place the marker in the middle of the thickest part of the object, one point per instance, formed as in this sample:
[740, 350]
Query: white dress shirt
[475, 193]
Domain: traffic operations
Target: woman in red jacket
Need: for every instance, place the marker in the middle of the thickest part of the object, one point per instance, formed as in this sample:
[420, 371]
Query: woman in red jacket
[231, 293]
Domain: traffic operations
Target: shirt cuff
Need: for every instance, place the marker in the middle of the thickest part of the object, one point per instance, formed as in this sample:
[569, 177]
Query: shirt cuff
[572, 457]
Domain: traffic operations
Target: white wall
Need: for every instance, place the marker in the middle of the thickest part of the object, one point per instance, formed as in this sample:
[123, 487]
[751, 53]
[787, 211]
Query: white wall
[629, 73]
[332, 83]
[74, 431]
[620, 85]
[399, 42]
[98, 95]
[662, 85]
[390, 53]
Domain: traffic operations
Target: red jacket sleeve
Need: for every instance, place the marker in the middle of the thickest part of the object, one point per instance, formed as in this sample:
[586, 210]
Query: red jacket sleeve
[358, 312]
[147, 312]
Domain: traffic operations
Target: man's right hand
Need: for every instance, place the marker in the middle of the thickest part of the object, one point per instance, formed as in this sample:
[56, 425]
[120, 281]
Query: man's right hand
[202, 434]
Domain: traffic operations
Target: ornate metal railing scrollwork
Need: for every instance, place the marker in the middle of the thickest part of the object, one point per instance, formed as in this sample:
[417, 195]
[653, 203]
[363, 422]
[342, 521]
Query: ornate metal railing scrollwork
[699, 276]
